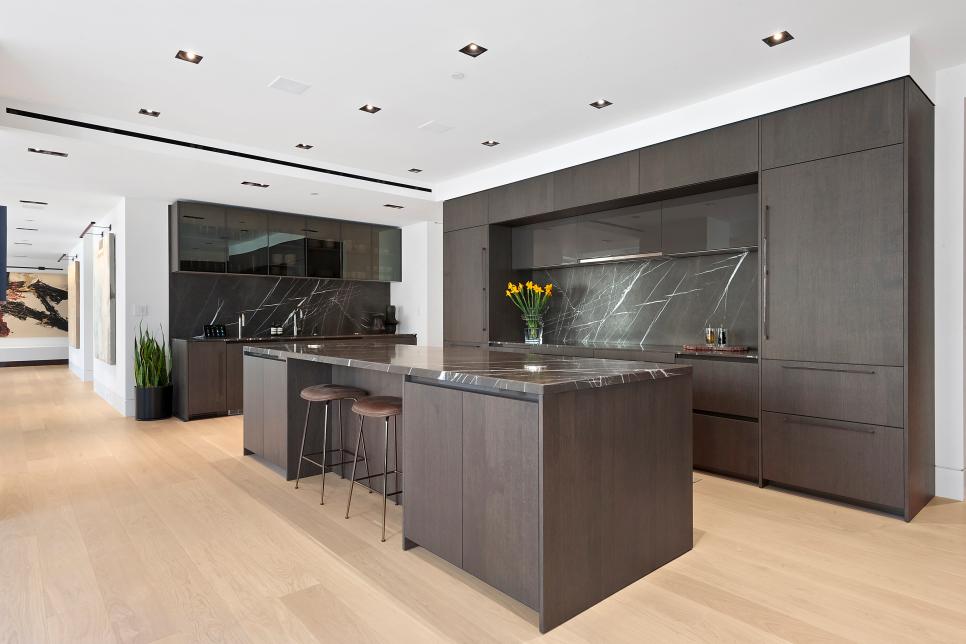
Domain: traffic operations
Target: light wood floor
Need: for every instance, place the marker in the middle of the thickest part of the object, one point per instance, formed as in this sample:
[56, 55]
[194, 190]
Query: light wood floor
[112, 530]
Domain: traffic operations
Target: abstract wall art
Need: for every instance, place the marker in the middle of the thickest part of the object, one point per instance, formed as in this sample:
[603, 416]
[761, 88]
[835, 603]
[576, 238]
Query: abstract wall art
[105, 300]
[36, 306]
[73, 304]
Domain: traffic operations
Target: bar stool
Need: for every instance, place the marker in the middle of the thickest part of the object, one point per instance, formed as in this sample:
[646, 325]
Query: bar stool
[384, 407]
[326, 394]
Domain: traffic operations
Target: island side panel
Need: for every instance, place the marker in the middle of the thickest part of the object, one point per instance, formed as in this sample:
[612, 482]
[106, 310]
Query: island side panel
[301, 374]
[615, 489]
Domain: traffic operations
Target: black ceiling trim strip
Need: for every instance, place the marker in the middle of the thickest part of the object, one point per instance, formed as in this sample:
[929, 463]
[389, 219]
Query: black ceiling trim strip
[207, 148]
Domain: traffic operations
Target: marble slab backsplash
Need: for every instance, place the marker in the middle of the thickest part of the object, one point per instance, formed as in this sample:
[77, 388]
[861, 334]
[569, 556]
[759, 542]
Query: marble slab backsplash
[663, 301]
[330, 307]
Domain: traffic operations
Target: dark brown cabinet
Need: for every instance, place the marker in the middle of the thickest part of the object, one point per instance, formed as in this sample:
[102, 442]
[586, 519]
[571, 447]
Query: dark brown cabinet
[861, 120]
[466, 212]
[726, 446]
[849, 460]
[723, 152]
[833, 259]
[724, 386]
[199, 373]
[464, 285]
[533, 196]
[711, 221]
[602, 180]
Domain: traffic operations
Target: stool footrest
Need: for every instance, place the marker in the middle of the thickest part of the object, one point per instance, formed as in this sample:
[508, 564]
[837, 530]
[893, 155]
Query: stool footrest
[375, 476]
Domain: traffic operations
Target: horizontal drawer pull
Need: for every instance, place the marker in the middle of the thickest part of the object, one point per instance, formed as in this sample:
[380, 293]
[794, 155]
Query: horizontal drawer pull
[829, 424]
[861, 371]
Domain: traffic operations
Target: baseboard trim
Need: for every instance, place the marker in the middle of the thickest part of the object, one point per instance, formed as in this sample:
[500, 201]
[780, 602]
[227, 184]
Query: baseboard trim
[951, 483]
[32, 363]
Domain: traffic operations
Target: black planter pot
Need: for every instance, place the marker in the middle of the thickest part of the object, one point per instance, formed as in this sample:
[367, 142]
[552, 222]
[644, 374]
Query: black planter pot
[152, 403]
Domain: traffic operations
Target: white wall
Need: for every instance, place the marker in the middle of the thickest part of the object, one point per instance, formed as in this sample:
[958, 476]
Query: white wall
[29, 349]
[82, 358]
[140, 227]
[950, 139]
[419, 298]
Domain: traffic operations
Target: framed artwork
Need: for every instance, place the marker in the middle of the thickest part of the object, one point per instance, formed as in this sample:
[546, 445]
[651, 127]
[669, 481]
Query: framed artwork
[105, 300]
[73, 304]
[36, 306]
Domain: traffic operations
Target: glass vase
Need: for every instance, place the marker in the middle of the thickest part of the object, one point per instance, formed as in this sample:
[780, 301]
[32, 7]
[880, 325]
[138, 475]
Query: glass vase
[532, 328]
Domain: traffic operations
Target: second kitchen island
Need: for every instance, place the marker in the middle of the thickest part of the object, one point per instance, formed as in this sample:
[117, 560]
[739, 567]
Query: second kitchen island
[557, 480]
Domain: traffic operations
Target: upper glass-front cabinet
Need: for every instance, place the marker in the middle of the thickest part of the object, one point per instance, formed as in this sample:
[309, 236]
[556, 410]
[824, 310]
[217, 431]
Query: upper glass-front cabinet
[635, 230]
[202, 239]
[222, 239]
[716, 220]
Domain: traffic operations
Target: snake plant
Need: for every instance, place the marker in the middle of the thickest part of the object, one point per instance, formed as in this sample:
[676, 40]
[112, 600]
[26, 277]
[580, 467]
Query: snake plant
[152, 366]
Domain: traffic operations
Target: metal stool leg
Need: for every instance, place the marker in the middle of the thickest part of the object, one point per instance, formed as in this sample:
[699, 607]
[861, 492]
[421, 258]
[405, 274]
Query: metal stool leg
[385, 480]
[395, 447]
[325, 450]
[341, 444]
[365, 461]
[298, 474]
[355, 461]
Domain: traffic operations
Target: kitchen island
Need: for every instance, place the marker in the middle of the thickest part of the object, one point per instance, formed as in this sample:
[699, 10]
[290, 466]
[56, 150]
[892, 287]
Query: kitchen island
[558, 480]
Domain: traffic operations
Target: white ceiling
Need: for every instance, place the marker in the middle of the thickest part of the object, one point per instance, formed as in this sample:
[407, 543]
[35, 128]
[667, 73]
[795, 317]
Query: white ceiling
[101, 60]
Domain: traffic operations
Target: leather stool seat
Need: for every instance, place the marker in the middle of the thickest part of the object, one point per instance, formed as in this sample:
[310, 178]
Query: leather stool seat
[323, 393]
[378, 406]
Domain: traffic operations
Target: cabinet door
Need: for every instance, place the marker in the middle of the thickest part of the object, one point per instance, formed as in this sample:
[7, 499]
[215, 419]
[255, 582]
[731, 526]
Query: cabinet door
[548, 243]
[634, 230]
[275, 412]
[206, 379]
[601, 180]
[247, 233]
[386, 254]
[356, 251]
[466, 212]
[723, 152]
[464, 285]
[286, 244]
[254, 419]
[234, 381]
[521, 199]
[833, 260]
[861, 120]
[717, 220]
[323, 247]
[432, 462]
[201, 238]
[501, 512]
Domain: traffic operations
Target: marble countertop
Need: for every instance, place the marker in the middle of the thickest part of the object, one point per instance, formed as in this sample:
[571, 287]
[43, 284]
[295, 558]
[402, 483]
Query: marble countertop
[527, 373]
[677, 350]
[304, 338]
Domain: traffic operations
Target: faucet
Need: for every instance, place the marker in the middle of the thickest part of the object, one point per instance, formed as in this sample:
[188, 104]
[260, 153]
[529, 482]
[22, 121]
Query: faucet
[241, 325]
[295, 321]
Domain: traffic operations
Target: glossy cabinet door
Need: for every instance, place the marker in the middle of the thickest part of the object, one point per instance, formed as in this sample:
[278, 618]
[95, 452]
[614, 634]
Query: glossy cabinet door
[386, 254]
[549, 243]
[716, 220]
[202, 243]
[247, 237]
[323, 247]
[464, 285]
[356, 251]
[723, 152]
[635, 230]
[861, 120]
[466, 211]
[832, 255]
[533, 196]
[286, 245]
[602, 180]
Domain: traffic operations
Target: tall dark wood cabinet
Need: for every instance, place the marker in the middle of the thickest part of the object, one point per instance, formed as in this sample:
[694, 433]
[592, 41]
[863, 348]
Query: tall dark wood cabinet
[847, 313]
[465, 285]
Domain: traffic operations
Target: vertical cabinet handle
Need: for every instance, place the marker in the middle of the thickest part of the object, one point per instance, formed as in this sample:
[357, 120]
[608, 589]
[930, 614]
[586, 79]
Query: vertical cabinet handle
[764, 273]
[485, 281]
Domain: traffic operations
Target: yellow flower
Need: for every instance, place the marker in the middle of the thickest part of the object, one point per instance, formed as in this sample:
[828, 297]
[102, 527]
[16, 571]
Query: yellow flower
[529, 284]
[508, 293]
[536, 287]
[549, 289]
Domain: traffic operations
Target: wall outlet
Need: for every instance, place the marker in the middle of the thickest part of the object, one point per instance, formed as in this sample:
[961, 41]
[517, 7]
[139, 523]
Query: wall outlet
[141, 310]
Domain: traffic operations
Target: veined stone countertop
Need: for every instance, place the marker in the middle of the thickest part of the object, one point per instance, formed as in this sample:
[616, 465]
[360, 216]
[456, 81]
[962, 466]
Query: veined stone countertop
[672, 349]
[528, 373]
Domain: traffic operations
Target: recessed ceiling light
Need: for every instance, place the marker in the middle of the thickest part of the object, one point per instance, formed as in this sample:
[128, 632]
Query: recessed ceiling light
[146, 112]
[28, 202]
[304, 146]
[189, 56]
[392, 205]
[490, 143]
[778, 38]
[369, 107]
[601, 103]
[30, 229]
[254, 184]
[473, 50]
[415, 170]
[52, 153]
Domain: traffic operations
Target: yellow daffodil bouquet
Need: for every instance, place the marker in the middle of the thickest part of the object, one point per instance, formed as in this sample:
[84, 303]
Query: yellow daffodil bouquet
[532, 300]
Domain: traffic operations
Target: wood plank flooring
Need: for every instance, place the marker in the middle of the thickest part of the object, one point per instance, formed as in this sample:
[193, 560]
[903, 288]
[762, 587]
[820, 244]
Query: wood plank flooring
[118, 531]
